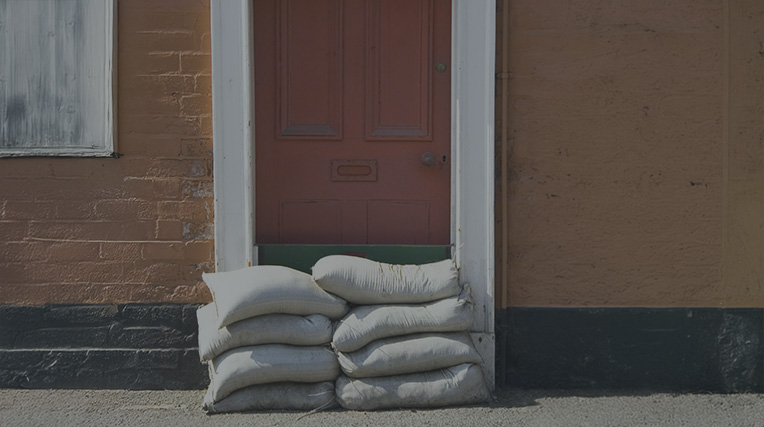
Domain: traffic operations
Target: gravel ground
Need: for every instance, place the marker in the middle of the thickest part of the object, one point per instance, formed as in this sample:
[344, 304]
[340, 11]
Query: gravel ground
[512, 407]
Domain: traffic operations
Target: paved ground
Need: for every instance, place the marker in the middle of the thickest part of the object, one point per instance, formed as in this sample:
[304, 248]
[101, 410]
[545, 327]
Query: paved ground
[512, 407]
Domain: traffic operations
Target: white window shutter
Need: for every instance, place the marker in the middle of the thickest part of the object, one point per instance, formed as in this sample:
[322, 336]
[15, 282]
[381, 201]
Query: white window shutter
[57, 77]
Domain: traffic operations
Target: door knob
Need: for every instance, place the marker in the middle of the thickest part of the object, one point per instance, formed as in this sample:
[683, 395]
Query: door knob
[428, 159]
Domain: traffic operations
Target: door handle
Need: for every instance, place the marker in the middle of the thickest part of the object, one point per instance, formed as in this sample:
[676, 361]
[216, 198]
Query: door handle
[428, 159]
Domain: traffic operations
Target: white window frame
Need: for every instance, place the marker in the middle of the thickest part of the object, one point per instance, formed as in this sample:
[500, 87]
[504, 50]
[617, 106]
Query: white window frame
[107, 103]
[472, 145]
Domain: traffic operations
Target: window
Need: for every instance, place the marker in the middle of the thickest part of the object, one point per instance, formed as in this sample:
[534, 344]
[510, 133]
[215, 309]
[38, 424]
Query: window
[56, 78]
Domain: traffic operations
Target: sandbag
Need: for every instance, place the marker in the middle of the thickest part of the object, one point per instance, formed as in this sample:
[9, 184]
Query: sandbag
[281, 396]
[457, 385]
[270, 363]
[362, 281]
[269, 289]
[266, 329]
[408, 354]
[369, 323]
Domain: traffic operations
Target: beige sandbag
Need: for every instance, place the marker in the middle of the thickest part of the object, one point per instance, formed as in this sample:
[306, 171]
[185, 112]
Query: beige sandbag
[363, 281]
[280, 396]
[269, 289]
[266, 329]
[269, 363]
[369, 323]
[408, 354]
[458, 385]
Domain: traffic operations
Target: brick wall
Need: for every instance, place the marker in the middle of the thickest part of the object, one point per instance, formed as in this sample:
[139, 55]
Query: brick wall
[134, 346]
[134, 229]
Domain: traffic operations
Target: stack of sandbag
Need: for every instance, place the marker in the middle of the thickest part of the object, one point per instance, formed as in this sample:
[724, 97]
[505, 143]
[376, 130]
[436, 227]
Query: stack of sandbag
[405, 344]
[266, 340]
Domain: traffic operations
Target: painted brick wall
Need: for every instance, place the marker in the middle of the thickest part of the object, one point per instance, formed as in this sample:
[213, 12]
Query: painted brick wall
[134, 229]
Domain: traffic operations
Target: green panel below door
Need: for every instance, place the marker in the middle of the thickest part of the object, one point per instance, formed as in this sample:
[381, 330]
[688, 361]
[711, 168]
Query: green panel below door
[302, 257]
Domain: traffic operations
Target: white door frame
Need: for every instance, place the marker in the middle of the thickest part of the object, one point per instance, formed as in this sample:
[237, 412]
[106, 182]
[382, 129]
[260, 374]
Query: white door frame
[473, 40]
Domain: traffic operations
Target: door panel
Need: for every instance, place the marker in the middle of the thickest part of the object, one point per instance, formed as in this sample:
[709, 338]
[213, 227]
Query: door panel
[309, 38]
[399, 51]
[347, 101]
[325, 223]
[400, 222]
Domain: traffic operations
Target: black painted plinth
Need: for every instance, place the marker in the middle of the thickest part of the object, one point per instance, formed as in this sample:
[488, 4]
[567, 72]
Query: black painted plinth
[674, 349]
[128, 346]
[153, 346]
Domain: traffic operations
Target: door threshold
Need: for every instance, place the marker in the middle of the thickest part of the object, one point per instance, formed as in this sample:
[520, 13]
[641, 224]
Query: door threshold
[303, 257]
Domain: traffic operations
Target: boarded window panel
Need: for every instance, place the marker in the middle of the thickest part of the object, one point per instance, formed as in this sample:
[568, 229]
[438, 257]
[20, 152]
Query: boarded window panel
[56, 65]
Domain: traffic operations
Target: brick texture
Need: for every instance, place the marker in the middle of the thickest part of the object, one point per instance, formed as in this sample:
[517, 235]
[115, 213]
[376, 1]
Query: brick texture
[134, 229]
[136, 346]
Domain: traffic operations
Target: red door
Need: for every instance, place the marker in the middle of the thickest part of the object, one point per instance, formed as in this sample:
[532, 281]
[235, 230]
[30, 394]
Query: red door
[352, 100]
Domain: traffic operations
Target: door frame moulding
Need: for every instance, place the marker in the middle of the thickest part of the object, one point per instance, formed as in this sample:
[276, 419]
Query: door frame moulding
[233, 119]
[473, 38]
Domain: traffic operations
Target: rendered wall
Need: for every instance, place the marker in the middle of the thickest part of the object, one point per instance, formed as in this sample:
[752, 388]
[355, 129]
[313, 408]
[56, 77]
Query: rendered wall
[134, 229]
[636, 165]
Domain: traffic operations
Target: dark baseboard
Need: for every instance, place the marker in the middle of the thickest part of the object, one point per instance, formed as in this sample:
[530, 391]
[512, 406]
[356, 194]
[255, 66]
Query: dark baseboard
[153, 346]
[126, 346]
[672, 349]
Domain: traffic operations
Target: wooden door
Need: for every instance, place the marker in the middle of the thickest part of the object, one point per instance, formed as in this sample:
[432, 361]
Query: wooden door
[352, 100]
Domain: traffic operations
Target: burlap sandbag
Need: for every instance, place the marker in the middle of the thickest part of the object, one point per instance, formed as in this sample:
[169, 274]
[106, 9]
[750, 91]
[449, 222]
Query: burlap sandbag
[266, 329]
[270, 363]
[408, 354]
[278, 396]
[369, 323]
[269, 289]
[458, 385]
[362, 281]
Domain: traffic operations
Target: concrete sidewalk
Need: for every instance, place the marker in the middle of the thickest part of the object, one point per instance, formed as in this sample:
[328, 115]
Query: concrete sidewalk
[528, 408]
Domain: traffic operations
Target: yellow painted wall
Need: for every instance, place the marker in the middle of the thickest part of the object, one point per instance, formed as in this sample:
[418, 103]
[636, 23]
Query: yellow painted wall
[636, 170]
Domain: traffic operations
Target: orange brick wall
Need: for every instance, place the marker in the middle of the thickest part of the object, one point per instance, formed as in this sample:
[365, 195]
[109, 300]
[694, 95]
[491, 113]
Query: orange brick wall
[134, 229]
